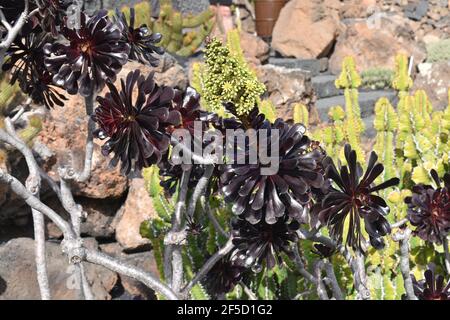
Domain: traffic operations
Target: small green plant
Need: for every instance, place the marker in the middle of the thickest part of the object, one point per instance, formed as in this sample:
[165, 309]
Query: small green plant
[438, 51]
[377, 78]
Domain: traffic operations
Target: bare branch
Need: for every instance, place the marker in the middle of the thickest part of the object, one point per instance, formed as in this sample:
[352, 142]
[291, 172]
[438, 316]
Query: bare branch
[399, 224]
[199, 189]
[321, 290]
[74, 248]
[356, 264]
[85, 287]
[173, 260]
[33, 185]
[301, 267]
[208, 265]
[76, 215]
[250, 294]
[337, 292]
[130, 271]
[195, 157]
[403, 239]
[35, 203]
[85, 174]
[13, 31]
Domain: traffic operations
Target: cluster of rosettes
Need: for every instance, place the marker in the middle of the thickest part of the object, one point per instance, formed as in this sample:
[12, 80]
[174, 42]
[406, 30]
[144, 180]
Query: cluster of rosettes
[50, 55]
[270, 208]
[429, 209]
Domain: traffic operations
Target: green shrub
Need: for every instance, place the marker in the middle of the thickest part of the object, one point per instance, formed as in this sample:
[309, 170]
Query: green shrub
[377, 78]
[438, 51]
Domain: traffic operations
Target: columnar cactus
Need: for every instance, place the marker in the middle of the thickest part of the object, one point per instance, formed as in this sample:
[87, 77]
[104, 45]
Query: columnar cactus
[268, 109]
[172, 25]
[301, 114]
[386, 123]
[349, 80]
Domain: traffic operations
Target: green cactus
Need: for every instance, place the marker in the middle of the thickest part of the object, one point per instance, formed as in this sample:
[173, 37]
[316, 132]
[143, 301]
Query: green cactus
[349, 80]
[301, 114]
[9, 94]
[333, 136]
[173, 25]
[32, 130]
[385, 123]
[402, 81]
[268, 109]
[234, 45]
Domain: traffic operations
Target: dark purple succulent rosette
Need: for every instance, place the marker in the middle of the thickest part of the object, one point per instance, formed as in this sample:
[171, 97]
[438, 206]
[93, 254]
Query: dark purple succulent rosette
[136, 126]
[223, 277]
[257, 197]
[352, 197]
[188, 105]
[143, 43]
[52, 13]
[431, 288]
[429, 209]
[93, 56]
[25, 60]
[263, 243]
[26, 55]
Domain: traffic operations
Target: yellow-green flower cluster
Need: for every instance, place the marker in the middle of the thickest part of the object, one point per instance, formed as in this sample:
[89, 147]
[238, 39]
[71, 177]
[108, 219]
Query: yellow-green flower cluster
[228, 79]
